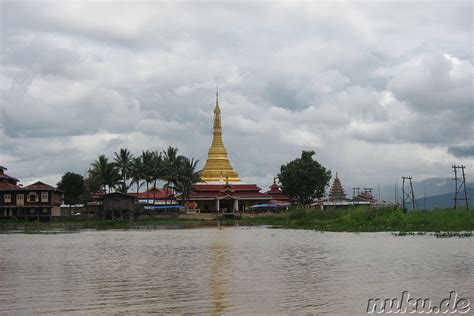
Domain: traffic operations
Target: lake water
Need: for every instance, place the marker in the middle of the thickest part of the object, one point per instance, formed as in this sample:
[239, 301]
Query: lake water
[233, 270]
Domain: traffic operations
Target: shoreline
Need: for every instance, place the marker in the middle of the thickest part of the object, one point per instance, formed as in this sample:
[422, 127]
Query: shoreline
[445, 223]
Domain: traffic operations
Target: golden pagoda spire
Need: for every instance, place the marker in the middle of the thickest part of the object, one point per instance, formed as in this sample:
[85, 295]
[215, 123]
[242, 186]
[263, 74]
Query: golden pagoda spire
[217, 164]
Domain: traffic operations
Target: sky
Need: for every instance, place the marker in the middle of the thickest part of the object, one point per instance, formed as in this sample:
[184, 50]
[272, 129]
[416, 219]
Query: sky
[379, 90]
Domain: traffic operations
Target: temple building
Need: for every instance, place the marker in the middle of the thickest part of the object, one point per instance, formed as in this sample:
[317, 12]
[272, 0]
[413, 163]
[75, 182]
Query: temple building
[277, 194]
[337, 192]
[221, 189]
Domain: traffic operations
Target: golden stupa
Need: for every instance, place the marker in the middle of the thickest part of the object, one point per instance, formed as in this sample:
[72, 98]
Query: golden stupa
[217, 167]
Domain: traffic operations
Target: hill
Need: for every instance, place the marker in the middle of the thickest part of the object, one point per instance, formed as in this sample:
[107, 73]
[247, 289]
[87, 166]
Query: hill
[446, 200]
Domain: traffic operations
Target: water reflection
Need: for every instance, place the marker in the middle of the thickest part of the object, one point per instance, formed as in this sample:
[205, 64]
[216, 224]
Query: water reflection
[218, 285]
[236, 270]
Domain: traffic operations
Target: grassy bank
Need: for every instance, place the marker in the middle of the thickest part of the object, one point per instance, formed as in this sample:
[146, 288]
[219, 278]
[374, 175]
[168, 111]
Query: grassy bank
[365, 219]
[360, 219]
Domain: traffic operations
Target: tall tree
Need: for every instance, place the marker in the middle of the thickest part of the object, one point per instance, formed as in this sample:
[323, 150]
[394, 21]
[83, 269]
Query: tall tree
[187, 176]
[105, 173]
[157, 170]
[72, 184]
[136, 172]
[123, 161]
[147, 161]
[171, 162]
[304, 179]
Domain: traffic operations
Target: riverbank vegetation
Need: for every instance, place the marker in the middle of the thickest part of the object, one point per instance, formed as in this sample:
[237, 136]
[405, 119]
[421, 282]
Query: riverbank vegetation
[356, 219]
[368, 219]
[128, 173]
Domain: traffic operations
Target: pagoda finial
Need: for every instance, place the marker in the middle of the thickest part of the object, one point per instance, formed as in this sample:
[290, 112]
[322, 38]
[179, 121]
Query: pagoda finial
[217, 110]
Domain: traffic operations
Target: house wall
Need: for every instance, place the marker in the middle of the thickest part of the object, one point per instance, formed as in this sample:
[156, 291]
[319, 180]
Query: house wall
[118, 203]
[27, 204]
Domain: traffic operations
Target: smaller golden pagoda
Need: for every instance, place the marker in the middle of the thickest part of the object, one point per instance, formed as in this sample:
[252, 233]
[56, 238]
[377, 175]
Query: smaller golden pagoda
[217, 167]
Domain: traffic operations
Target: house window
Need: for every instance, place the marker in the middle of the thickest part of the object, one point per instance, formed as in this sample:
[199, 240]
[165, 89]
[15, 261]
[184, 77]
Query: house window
[45, 210]
[7, 198]
[19, 198]
[32, 197]
[44, 196]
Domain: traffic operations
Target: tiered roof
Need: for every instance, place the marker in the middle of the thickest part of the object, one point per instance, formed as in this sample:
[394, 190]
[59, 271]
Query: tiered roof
[337, 192]
[276, 193]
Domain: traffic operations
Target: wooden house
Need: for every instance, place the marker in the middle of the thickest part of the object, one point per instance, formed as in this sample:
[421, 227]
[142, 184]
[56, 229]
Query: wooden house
[36, 201]
[117, 205]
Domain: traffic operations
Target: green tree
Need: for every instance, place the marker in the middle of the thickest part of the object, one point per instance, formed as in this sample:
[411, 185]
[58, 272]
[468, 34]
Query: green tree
[137, 173]
[171, 162]
[91, 186]
[157, 169]
[304, 179]
[147, 162]
[105, 173]
[123, 162]
[72, 184]
[187, 176]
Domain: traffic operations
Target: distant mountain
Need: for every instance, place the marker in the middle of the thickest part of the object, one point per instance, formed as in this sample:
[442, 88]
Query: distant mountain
[445, 200]
[433, 187]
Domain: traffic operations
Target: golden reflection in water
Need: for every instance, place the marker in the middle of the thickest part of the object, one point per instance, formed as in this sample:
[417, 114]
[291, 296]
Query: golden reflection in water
[218, 270]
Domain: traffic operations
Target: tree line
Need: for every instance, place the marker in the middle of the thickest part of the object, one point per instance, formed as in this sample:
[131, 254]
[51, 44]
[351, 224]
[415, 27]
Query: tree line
[127, 172]
[302, 179]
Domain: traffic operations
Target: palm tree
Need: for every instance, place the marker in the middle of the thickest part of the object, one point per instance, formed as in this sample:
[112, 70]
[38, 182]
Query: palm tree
[157, 170]
[136, 172]
[187, 176]
[105, 173]
[123, 161]
[171, 162]
[147, 158]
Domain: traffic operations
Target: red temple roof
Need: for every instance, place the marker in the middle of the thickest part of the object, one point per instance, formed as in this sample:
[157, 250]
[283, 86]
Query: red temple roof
[154, 192]
[276, 193]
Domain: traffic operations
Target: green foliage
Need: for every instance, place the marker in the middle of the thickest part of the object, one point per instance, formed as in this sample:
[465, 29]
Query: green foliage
[304, 179]
[123, 162]
[72, 184]
[105, 173]
[369, 219]
[179, 172]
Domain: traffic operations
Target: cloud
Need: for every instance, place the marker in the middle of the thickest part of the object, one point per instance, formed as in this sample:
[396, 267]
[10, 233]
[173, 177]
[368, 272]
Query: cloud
[462, 151]
[375, 98]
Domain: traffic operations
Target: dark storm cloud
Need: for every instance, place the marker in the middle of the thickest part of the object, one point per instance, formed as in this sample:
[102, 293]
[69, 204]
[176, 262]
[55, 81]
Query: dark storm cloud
[346, 79]
[462, 151]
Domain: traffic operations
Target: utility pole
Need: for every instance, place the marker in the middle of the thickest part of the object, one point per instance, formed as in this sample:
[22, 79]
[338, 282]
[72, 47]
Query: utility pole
[355, 194]
[408, 196]
[460, 186]
[396, 192]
